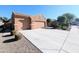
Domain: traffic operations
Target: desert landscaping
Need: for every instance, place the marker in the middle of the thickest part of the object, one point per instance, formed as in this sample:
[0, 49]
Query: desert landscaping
[24, 33]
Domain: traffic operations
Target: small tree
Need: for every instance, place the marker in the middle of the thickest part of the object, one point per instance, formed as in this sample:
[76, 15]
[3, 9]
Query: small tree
[61, 19]
[54, 24]
[4, 19]
[70, 17]
[48, 21]
[63, 22]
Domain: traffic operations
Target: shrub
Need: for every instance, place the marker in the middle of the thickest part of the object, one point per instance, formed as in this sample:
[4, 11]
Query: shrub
[16, 34]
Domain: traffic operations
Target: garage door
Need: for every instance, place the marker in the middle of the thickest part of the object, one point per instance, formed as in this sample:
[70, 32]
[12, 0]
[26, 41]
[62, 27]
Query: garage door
[36, 25]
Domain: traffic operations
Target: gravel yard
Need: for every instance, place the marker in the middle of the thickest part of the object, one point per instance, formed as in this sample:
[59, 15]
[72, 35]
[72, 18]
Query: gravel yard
[9, 45]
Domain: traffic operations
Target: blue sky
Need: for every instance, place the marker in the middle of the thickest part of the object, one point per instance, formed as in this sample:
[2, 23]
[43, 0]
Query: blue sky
[49, 11]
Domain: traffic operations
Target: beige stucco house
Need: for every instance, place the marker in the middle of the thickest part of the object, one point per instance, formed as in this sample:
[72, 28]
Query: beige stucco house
[24, 22]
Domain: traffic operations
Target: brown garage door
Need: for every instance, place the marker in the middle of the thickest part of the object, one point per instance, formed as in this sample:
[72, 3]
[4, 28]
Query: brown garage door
[36, 25]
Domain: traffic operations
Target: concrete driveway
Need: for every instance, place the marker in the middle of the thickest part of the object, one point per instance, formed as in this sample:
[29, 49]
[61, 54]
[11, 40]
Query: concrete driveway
[53, 40]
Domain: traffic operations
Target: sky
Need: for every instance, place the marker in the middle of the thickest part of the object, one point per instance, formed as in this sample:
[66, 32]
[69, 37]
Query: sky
[48, 11]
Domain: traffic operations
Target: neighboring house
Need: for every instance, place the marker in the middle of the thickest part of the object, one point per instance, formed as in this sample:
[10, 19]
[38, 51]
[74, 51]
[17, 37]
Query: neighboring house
[76, 22]
[1, 22]
[23, 22]
[1, 25]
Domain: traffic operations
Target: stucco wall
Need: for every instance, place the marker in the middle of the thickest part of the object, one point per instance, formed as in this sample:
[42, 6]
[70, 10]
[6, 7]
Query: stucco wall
[21, 24]
[18, 24]
[37, 25]
[24, 22]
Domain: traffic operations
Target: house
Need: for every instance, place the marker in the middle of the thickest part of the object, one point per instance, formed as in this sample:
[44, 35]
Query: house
[23, 22]
[1, 23]
[76, 22]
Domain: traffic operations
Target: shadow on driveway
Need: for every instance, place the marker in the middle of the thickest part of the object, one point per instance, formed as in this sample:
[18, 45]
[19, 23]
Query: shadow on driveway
[6, 35]
[10, 40]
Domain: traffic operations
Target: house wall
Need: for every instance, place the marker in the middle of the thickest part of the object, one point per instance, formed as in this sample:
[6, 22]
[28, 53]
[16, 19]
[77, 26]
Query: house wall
[37, 25]
[38, 21]
[22, 24]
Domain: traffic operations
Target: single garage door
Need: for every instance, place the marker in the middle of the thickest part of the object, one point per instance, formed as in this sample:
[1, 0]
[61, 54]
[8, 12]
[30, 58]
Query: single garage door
[37, 25]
